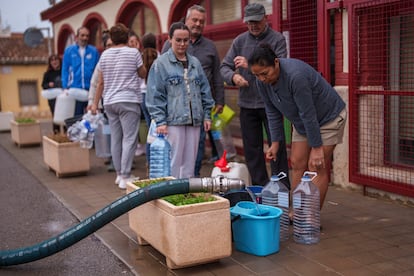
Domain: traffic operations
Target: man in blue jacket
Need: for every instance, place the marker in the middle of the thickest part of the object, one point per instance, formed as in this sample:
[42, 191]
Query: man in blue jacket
[79, 61]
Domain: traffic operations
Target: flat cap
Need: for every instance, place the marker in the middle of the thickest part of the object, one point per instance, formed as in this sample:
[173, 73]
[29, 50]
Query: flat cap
[254, 12]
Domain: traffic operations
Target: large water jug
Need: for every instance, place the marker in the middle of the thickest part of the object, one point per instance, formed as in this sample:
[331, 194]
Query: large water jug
[306, 210]
[51, 93]
[231, 170]
[160, 158]
[64, 108]
[103, 140]
[276, 194]
[78, 94]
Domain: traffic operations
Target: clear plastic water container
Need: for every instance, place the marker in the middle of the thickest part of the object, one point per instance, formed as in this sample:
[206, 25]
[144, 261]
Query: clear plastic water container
[276, 194]
[306, 210]
[160, 158]
[103, 140]
[84, 131]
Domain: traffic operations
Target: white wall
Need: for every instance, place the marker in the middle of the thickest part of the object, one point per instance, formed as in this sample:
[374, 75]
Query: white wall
[109, 10]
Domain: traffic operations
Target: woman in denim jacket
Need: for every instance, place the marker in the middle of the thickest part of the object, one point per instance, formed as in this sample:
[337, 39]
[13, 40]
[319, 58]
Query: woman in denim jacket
[179, 100]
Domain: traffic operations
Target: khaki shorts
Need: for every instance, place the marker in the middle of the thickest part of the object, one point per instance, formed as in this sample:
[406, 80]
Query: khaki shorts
[332, 132]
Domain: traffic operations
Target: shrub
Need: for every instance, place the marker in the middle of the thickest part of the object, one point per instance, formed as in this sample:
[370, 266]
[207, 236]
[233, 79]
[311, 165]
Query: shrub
[25, 120]
[179, 199]
[59, 138]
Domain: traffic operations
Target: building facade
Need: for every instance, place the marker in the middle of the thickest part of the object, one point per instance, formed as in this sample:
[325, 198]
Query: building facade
[21, 74]
[363, 47]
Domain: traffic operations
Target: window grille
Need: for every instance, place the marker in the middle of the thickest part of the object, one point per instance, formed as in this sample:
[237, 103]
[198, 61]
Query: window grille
[381, 95]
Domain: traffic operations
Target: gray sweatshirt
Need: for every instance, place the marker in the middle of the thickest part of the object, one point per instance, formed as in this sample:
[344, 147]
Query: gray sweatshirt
[304, 97]
[244, 45]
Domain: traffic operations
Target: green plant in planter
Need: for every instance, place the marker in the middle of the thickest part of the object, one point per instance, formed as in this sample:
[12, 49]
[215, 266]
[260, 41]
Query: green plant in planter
[184, 199]
[59, 138]
[25, 120]
[180, 199]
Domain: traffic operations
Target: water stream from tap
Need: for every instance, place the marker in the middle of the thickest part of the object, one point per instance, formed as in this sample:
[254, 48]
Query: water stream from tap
[254, 199]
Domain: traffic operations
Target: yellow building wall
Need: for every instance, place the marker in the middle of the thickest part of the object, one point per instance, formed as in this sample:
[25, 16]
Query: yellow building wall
[10, 75]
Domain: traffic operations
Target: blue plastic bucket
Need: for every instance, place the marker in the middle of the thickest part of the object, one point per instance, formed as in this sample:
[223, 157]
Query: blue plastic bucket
[255, 234]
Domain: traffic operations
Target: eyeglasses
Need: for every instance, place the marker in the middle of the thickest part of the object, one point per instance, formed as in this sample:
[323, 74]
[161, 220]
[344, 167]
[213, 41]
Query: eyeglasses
[182, 40]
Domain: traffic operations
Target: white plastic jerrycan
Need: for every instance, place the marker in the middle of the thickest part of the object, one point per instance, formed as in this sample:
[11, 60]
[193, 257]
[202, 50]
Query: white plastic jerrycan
[231, 170]
[64, 108]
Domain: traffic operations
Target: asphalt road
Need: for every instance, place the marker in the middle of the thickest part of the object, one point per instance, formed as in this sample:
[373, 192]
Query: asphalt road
[30, 214]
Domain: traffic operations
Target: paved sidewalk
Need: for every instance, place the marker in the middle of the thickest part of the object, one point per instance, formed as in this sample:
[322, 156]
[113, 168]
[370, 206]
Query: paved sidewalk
[30, 214]
[361, 235]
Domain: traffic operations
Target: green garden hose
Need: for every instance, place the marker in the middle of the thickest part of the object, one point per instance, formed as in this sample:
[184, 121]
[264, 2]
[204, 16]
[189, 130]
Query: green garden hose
[117, 208]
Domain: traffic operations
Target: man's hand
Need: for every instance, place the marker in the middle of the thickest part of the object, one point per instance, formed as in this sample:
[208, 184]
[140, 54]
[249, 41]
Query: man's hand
[239, 81]
[218, 109]
[240, 61]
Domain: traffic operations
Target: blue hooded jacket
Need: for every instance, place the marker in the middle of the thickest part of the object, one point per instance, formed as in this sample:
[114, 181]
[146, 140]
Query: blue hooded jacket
[77, 72]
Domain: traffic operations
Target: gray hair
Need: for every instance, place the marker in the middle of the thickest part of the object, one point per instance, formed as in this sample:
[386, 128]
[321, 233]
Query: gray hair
[195, 7]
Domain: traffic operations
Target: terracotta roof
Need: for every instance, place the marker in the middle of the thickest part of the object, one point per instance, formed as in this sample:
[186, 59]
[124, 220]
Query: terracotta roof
[13, 51]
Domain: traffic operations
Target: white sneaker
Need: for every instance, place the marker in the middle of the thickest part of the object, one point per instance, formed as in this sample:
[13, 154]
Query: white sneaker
[118, 179]
[140, 150]
[122, 184]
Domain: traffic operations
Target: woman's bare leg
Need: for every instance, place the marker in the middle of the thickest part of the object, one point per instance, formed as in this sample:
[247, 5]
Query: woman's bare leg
[323, 177]
[299, 157]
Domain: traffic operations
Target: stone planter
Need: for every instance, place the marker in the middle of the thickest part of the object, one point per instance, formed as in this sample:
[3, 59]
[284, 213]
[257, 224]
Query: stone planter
[24, 134]
[65, 159]
[5, 119]
[186, 235]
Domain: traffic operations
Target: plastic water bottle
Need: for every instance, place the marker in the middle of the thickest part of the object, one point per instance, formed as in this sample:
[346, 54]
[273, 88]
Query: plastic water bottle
[87, 135]
[306, 211]
[160, 158]
[276, 194]
[217, 126]
[222, 138]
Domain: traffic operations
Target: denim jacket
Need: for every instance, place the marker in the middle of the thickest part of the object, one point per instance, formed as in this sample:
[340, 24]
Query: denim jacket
[173, 99]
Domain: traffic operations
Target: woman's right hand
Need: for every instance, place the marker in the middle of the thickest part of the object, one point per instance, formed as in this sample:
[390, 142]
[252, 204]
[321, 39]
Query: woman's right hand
[271, 153]
[162, 130]
[93, 108]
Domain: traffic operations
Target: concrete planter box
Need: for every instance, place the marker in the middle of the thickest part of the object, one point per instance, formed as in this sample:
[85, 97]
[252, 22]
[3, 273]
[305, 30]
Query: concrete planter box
[5, 119]
[186, 235]
[65, 159]
[24, 134]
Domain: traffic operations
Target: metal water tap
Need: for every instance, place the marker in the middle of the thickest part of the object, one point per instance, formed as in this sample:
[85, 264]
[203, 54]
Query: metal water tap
[218, 184]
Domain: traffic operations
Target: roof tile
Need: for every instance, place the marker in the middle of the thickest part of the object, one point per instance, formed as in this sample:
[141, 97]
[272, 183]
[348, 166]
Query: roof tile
[13, 51]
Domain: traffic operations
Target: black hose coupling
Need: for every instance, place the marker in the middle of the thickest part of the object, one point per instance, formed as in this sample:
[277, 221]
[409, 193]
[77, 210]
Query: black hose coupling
[219, 184]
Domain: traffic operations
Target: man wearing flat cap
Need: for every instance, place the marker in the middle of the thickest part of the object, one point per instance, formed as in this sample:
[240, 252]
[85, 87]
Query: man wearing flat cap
[235, 71]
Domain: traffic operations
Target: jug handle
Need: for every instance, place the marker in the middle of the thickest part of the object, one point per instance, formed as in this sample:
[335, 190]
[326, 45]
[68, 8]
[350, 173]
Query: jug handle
[313, 174]
[281, 175]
